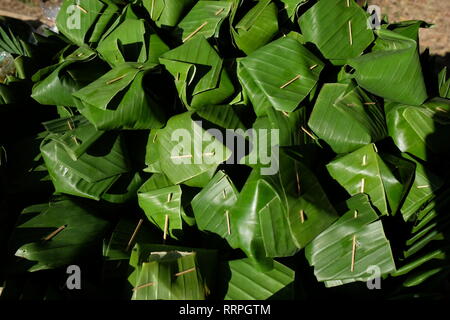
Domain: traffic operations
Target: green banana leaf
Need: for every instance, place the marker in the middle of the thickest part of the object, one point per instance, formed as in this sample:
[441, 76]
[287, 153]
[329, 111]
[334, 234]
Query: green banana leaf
[206, 15]
[161, 202]
[162, 277]
[338, 28]
[408, 28]
[206, 259]
[346, 119]
[200, 77]
[279, 75]
[82, 232]
[167, 13]
[392, 70]
[256, 27]
[420, 131]
[117, 100]
[364, 171]
[84, 22]
[141, 45]
[245, 282]
[186, 150]
[55, 84]
[275, 216]
[152, 154]
[13, 44]
[291, 7]
[444, 84]
[212, 205]
[126, 234]
[223, 116]
[92, 174]
[423, 189]
[76, 134]
[357, 233]
[104, 20]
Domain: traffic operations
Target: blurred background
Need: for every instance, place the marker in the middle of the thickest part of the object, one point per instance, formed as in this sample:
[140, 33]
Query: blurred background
[437, 12]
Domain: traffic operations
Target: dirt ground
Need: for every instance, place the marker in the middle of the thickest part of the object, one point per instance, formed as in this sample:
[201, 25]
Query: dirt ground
[437, 12]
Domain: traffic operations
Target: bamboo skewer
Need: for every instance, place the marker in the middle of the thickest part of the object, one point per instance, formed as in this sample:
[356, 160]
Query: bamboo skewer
[352, 267]
[166, 227]
[195, 31]
[182, 156]
[219, 11]
[308, 133]
[184, 272]
[115, 79]
[228, 222]
[350, 32]
[302, 216]
[81, 8]
[133, 236]
[144, 286]
[54, 233]
[290, 81]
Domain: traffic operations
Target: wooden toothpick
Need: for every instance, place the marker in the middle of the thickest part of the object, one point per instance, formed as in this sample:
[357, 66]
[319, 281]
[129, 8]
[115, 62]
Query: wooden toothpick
[133, 236]
[182, 156]
[312, 67]
[209, 154]
[70, 124]
[285, 113]
[74, 138]
[169, 197]
[115, 79]
[144, 286]
[302, 216]
[362, 184]
[219, 11]
[154, 138]
[370, 103]
[308, 133]
[54, 233]
[364, 160]
[81, 8]
[352, 267]
[228, 222]
[350, 32]
[166, 227]
[290, 81]
[348, 3]
[193, 33]
[184, 272]
[355, 214]
[423, 187]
